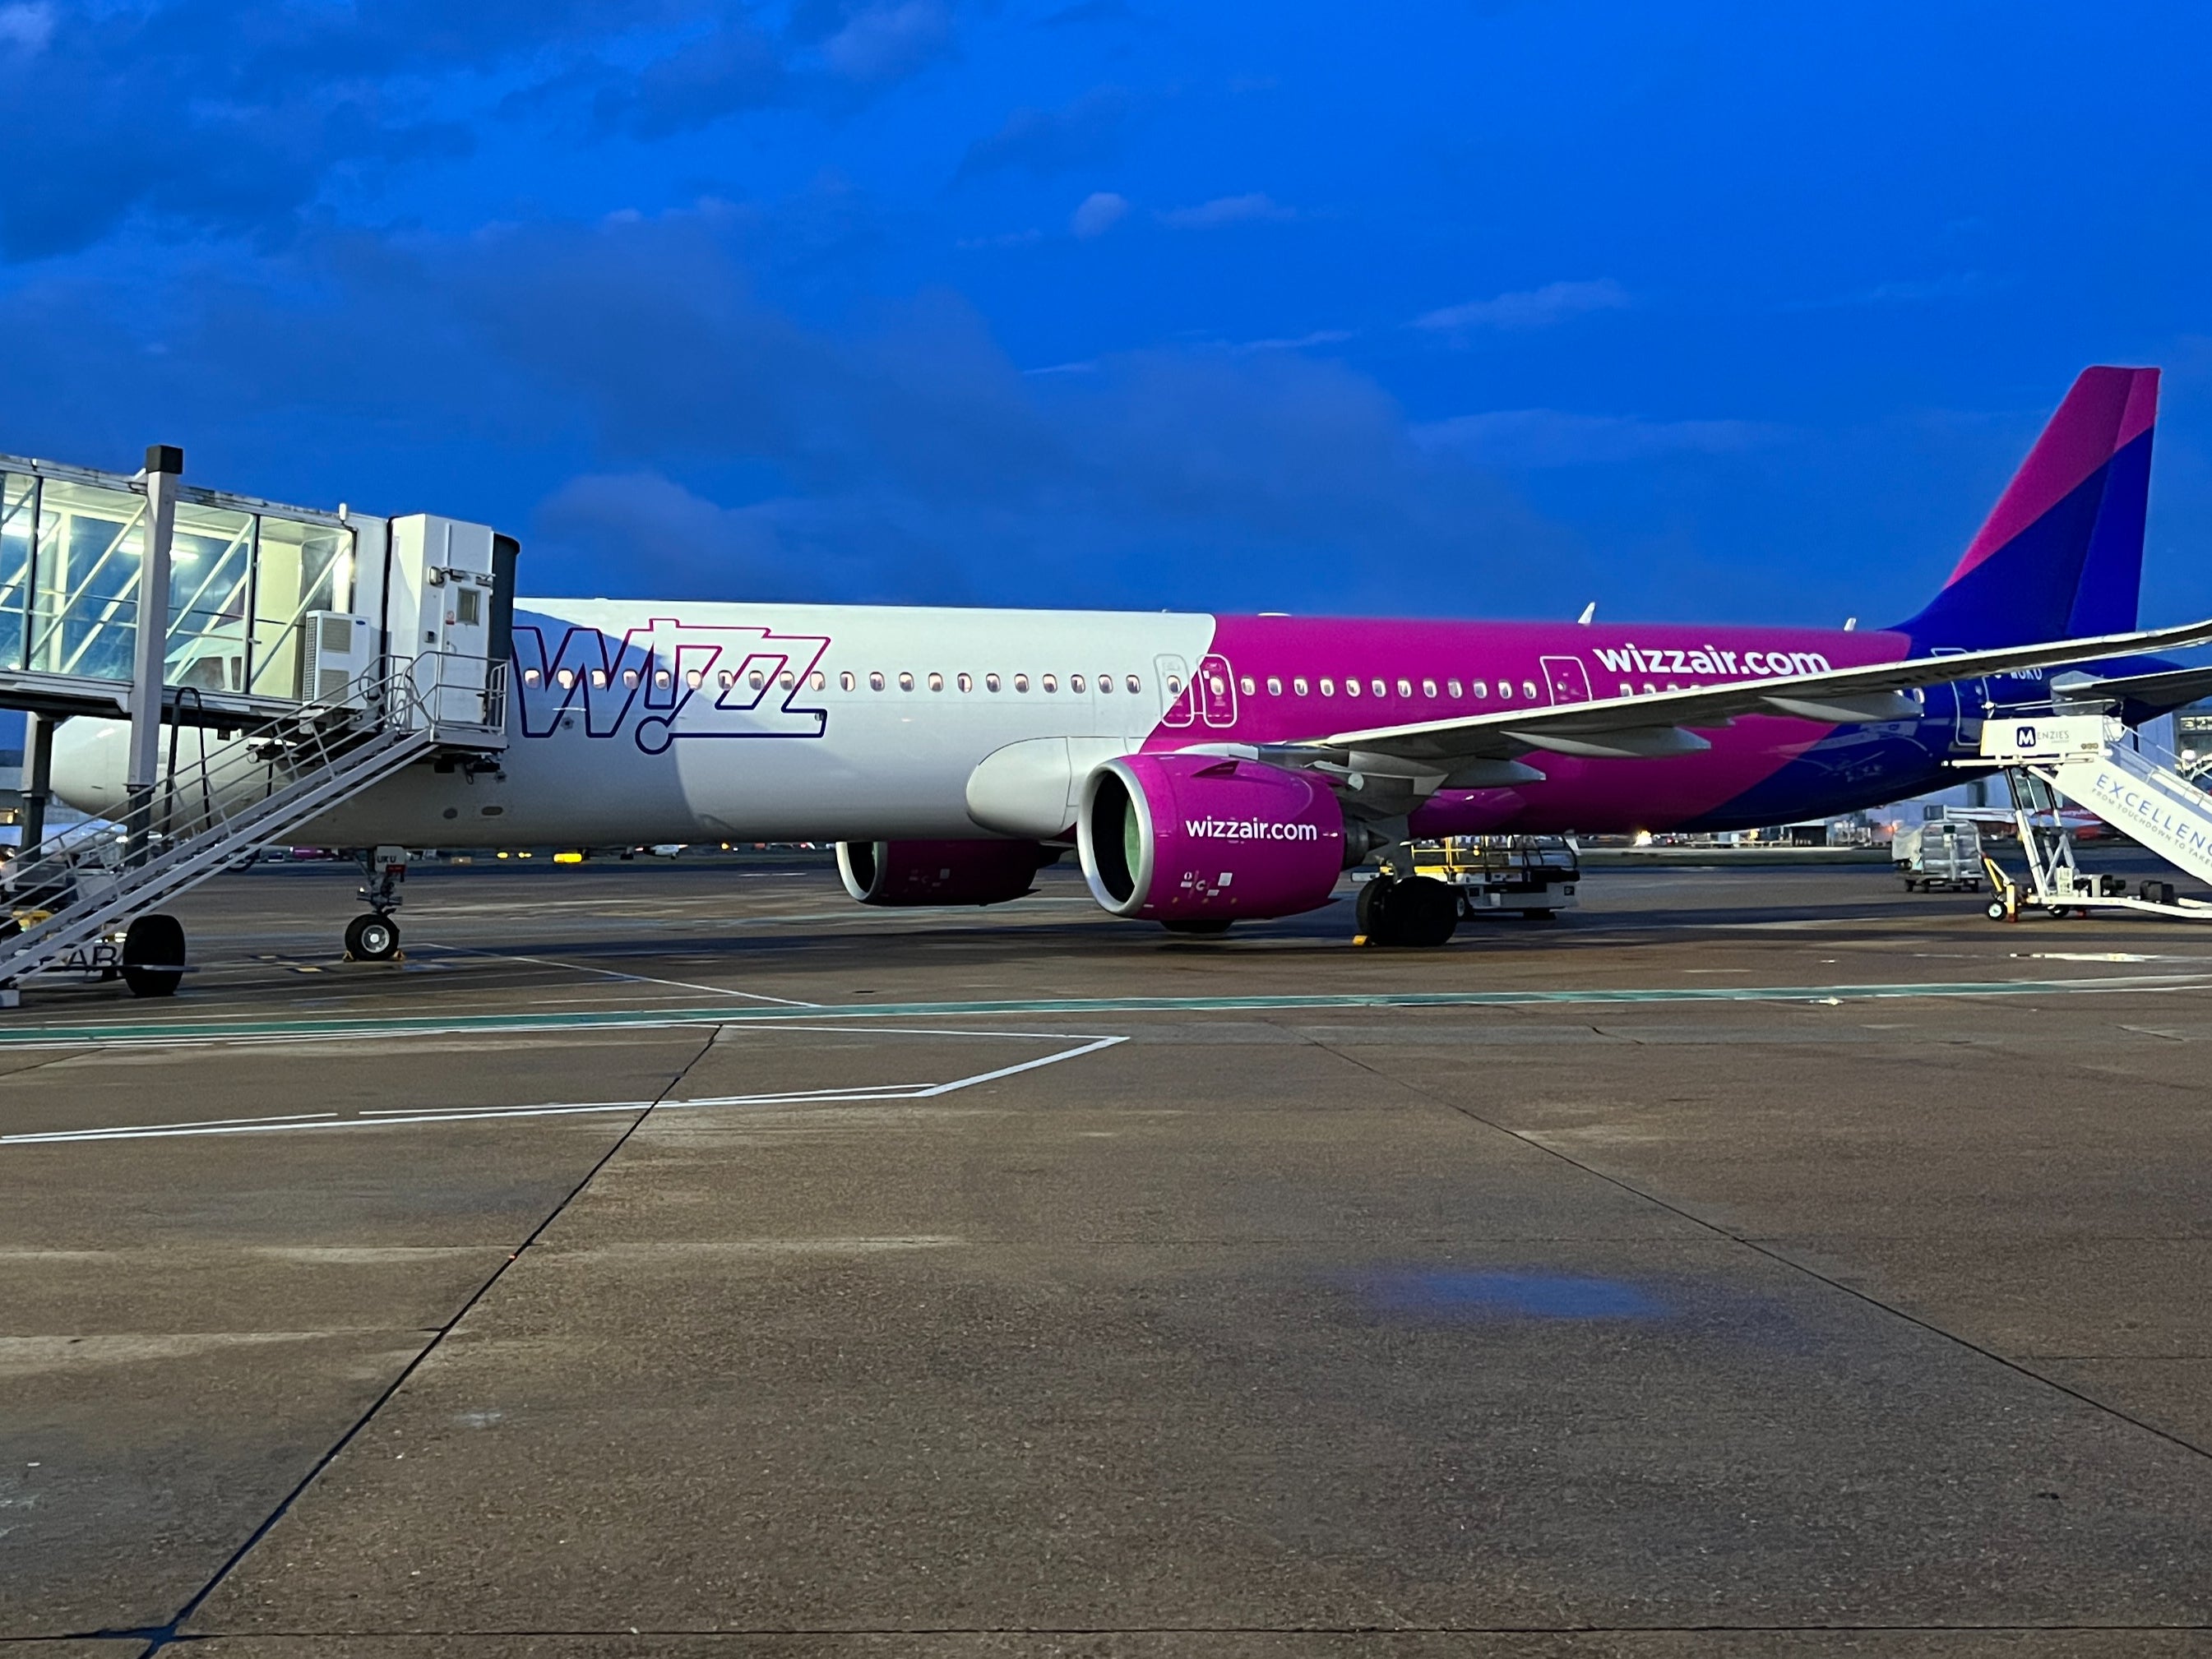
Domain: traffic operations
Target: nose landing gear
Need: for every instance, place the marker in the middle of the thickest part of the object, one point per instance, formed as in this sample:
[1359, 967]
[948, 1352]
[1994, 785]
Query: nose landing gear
[375, 936]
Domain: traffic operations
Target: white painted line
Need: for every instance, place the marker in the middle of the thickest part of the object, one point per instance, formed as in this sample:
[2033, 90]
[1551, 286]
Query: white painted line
[387, 1118]
[616, 973]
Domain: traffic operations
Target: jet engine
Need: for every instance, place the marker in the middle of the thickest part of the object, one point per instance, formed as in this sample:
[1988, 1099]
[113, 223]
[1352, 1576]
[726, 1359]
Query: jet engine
[898, 873]
[1197, 842]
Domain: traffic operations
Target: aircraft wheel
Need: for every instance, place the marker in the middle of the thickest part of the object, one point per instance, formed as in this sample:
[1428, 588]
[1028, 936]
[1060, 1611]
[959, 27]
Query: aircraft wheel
[1419, 911]
[1994, 910]
[1202, 926]
[153, 956]
[371, 938]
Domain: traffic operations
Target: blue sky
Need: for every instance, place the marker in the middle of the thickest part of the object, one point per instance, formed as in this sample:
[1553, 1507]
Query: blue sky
[1729, 311]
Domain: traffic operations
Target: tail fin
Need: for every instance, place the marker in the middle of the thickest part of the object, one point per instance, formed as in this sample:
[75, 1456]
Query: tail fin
[2061, 556]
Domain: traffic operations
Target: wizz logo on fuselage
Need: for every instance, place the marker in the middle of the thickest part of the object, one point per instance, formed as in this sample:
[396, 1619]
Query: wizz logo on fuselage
[677, 679]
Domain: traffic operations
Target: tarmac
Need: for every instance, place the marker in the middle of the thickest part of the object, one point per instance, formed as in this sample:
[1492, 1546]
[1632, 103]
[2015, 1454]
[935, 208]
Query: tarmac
[676, 1259]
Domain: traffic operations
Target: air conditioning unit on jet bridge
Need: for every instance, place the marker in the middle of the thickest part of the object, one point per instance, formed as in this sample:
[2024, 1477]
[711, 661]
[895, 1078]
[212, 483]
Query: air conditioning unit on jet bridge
[336, 651]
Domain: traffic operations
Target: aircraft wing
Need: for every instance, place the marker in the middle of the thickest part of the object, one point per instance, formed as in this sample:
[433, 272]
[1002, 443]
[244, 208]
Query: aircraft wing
[1662, 723]
[2174, 687]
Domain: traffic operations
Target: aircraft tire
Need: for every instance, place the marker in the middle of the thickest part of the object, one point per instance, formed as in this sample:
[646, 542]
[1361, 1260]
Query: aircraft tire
[153, 956]
[1417, 911]
[1994, 910]
[371, 938]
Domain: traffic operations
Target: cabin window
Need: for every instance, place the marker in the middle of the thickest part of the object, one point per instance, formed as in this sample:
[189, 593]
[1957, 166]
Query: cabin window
[1453, 688]
[1506, 690]
[966, 682]
[937, 682]
[1352, 688]
[1049, 684]
[1481, 688]
[1218, 686]
[1428, 687]
[1244, 685]
[1405, 688]
[1020, 682]
[1175, 686]
[599, 676]
[662, 678]
[1328, 688]
[1626, 690]
[1106, 683]
[629, 677]
[1649, 690]
[1671, 686]
[905, 681]
[1528, 690]
[756, 679]
[695, 679]
[1274, 686]
[1075, 684]
[845, 681]
[875, 680]
[817, 679]
[566, 677]
[787, 680]
[530, 677]
[1134, 684]
[1298, 685]
[990, 681]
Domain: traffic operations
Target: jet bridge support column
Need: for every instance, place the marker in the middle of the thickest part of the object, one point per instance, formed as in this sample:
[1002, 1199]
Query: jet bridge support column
[164, 464]
[38, 775]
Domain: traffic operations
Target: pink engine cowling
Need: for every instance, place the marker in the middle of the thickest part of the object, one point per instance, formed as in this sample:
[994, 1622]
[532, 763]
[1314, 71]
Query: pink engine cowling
[898, 872]
[1194, 838]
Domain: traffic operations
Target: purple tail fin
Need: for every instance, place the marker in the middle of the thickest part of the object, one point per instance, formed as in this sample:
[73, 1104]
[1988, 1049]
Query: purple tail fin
[2061, 556]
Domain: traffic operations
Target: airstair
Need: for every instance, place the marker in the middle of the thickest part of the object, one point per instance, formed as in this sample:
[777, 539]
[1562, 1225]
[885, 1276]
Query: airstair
[286, 658]
[2096, 762]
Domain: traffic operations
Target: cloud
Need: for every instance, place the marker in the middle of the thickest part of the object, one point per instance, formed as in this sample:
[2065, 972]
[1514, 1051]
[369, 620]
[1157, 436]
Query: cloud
[1099, 213]
[1253, 209]
[26, 28]
[733, 68]
[1048, 143]
[621, 394]
[1527, 438]
[889, 41]
[1530, 308]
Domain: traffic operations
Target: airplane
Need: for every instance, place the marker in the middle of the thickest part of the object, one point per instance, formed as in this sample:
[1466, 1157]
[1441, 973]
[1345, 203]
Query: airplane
[1211, 769]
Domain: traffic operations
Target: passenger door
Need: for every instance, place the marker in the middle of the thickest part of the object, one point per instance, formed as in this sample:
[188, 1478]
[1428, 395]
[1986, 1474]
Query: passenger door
[1567, 678]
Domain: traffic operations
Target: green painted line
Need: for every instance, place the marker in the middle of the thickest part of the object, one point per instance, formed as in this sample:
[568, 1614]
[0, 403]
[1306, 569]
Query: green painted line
[1054, 1007]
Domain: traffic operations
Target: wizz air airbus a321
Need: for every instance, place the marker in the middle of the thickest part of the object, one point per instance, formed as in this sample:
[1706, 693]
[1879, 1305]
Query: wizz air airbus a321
[1211, 769]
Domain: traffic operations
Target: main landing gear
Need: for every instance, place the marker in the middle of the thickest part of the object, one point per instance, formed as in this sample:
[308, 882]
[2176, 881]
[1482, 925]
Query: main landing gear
[1411, 911]
[375, 936]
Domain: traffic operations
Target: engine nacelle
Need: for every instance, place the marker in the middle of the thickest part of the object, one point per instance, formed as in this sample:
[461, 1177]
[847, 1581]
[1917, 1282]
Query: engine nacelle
[1197, 838]
[896, 873]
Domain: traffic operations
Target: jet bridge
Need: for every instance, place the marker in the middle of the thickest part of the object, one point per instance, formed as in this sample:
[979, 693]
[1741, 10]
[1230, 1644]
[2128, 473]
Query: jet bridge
[326, 650]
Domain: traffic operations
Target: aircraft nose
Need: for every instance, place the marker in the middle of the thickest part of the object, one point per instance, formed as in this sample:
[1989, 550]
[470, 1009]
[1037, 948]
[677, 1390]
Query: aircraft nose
[89, 759]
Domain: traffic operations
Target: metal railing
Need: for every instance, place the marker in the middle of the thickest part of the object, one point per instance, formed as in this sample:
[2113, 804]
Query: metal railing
[234, 798]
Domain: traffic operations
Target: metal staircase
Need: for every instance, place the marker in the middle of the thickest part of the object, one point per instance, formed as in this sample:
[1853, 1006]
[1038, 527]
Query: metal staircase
[76, 888]
[2096, 762]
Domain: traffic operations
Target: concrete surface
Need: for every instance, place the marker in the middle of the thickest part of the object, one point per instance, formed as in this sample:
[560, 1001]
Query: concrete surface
[678, 1259]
